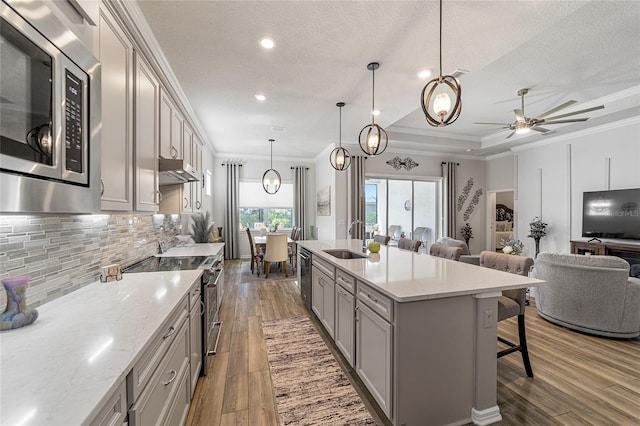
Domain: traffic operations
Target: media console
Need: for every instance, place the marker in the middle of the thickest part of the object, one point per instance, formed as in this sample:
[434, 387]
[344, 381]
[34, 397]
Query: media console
[628, 252]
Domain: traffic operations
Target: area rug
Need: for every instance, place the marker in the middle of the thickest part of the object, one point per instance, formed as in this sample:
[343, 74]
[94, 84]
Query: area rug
[276, 274]
[309, 385]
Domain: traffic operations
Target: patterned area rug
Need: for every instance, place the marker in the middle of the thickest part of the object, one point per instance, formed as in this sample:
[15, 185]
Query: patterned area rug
[310, 387]
[276, 274]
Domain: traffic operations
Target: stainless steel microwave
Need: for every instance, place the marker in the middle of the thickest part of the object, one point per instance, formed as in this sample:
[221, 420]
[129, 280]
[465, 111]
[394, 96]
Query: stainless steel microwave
[49, 115]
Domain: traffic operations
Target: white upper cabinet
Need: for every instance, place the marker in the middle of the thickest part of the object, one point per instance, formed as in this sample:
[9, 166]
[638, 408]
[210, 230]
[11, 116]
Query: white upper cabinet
[147, 103]
[170, 128]
[116, 57]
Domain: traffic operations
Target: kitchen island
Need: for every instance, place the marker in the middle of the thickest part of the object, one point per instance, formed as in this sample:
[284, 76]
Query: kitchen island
[420, 331]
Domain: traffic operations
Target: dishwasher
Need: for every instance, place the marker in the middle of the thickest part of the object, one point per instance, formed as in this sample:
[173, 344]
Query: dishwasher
[304, 275]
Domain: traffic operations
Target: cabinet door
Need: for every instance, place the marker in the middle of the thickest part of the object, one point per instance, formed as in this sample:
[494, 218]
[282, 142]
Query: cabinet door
[344, 336]
[116, 57]
[196, 187]
[195, 344]
[176, 132]
[317, 293]
[187, 140]
[373, 354]
[146, 141]
[167, 150]
[328, 317]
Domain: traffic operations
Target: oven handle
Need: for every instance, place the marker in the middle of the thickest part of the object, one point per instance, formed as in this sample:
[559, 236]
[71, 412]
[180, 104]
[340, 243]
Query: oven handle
[215, 345]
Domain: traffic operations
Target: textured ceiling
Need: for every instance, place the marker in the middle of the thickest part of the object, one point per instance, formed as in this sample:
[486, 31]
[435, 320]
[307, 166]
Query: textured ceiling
[561, 50]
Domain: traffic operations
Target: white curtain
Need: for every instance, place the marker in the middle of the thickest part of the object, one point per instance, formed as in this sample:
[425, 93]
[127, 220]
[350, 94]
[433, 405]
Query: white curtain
[356, 200]
[449, 173]
[232, 212]
[300, 198]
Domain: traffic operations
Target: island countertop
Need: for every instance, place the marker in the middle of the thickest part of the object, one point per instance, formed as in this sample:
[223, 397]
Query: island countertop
[60, 369]
[406, 276]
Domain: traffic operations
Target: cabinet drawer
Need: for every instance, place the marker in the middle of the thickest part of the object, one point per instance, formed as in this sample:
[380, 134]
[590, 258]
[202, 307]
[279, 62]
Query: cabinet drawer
[114, 410]
[141, 373]
[377, 301]
[345, 280]
[154, 402]
[180, 406]
[325, 267]
[194, 294]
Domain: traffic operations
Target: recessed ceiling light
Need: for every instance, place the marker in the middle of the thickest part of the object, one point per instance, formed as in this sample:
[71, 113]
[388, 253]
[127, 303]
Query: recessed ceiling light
[260, 97]
[424, 74]
[375, 112]
[469, 150]
[267, 43]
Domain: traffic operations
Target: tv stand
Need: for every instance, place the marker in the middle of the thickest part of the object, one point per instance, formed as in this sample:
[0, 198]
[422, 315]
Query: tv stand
[602, 249]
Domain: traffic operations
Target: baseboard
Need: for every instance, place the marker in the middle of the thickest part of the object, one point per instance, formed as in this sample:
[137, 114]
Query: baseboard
[487, 416]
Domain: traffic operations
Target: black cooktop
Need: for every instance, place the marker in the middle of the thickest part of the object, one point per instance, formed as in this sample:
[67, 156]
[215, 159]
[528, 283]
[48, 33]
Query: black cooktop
[158, 264]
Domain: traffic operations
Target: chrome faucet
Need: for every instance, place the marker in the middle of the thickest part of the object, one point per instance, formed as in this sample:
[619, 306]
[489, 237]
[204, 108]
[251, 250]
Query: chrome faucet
[364, 242]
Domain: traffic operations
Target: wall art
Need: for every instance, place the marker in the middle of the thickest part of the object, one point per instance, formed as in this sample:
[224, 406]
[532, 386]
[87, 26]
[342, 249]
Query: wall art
[324, 201]
[397, 163]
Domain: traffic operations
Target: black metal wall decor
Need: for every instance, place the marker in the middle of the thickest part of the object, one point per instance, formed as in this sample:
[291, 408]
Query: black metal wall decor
[397, 163]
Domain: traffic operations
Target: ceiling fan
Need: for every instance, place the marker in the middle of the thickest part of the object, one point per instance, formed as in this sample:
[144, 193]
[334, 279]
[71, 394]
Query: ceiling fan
[524, 124]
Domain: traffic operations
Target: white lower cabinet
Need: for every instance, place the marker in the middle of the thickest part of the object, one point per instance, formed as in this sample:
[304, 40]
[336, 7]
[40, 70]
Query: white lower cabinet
[114, 411]
[374, 342]
[195, 339]
[344, 327]
[323, 298]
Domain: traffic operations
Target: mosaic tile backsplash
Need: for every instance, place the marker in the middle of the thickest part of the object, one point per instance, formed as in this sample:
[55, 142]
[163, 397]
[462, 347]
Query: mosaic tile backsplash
[62, 253]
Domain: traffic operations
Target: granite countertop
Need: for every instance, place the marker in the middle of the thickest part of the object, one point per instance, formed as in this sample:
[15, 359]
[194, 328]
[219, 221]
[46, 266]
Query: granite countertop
[198, 249]
[406, 276]
[60, 369]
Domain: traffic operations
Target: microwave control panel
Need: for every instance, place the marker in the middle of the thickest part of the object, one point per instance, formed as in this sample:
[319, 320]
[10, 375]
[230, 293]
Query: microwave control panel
[73, 118]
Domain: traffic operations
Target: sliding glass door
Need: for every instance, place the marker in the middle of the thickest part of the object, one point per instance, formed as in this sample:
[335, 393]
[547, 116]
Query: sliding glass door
[403, 205]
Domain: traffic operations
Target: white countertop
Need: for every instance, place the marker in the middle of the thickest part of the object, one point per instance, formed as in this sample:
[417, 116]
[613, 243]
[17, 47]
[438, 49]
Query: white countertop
[198, 249]
[60, 369]
[406, 276]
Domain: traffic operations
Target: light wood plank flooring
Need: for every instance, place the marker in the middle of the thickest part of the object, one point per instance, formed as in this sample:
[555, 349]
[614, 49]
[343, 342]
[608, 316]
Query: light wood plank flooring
[579, 379]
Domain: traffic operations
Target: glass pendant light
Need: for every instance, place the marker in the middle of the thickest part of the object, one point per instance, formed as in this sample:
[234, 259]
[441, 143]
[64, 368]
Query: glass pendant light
[440, 113]
[373, 138]
[340, 158]
[271, 178]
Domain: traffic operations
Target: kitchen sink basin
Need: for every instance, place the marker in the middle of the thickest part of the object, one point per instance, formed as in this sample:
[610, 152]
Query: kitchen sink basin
[345, 254]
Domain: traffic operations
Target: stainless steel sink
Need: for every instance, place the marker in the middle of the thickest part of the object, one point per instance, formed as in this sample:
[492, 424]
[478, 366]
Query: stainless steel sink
[345, 254]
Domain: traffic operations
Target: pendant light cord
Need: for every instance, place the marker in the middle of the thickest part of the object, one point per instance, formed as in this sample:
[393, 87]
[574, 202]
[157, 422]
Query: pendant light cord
[340, 132]
[440, 38]
[271, 154]
[373, 97]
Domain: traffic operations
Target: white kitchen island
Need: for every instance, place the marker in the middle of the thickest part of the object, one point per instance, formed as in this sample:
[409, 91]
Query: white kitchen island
[438, 318]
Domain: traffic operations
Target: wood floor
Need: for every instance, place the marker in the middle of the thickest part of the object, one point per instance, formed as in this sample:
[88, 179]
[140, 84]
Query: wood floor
[579, 379]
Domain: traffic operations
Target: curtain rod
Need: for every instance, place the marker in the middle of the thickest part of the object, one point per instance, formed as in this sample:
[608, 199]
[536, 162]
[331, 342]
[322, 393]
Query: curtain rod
[232, 164]
[306, 168]
[446, 162]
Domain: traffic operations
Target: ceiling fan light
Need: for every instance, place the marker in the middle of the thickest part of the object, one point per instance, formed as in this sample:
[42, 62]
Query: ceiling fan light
[442, 104]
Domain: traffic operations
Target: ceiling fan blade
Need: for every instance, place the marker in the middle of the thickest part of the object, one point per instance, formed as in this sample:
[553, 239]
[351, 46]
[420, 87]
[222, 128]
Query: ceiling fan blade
[519, 114]
[572, 120]
[558, 108]
[540, 129]
[511, 134]
[574, 113]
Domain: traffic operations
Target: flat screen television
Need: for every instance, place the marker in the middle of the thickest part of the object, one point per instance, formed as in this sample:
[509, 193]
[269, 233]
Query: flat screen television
[611, 214]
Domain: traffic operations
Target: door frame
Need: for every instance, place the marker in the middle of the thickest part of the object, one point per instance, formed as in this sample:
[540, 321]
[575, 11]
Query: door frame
[491, 217]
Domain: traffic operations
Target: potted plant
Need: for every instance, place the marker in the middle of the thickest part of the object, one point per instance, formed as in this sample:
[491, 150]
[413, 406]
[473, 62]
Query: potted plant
[537, 230]
[467, 232]
[201, 228]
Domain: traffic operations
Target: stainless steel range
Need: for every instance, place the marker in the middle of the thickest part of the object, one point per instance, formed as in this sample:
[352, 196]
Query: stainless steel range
[211, 292]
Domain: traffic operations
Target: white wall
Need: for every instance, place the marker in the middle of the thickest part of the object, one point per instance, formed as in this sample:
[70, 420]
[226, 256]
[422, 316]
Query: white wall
[325, 176]
[499, 172]
[551, 177]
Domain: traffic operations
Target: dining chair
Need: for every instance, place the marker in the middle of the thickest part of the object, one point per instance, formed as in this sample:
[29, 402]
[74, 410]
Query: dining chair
[256, 257]
[407, 244]
[512, 302]
[440, 250]
[276, 251]
[382, 239]
[293, 248]
[395, 231]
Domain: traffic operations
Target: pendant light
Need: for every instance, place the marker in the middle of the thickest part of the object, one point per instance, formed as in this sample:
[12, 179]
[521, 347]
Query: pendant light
[340, 158]
[441, 107]
[271, 178]
[373, 138]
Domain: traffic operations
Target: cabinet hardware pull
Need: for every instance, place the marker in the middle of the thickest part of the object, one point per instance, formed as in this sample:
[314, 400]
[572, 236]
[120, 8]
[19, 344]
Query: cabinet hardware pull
[174, 374]
[202, 307]
[159, 196]
[175, 152]
[186, 202]
[172, 330]
[101, 187]
[372, 298]
[198, 205]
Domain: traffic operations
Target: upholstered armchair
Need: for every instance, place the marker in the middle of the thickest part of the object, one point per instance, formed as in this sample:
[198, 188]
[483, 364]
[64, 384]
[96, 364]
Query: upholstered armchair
[592, 294]
[452, 242]
[440, 250]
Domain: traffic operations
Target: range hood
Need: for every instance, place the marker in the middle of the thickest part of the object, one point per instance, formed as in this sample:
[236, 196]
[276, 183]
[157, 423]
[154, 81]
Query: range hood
[175, 171]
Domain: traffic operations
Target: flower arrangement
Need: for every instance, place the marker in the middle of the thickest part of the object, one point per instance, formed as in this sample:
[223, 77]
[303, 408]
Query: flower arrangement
[538, 228]
[467, 232]
[512, 247]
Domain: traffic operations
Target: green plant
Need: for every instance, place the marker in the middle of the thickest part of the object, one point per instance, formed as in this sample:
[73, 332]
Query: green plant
[201, 228]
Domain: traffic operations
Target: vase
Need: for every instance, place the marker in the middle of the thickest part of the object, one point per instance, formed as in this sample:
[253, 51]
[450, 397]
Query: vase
[537, 240]
[17, 314]
[466, 240]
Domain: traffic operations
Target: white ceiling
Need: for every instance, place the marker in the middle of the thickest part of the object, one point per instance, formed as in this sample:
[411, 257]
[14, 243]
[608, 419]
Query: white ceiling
[588, 51]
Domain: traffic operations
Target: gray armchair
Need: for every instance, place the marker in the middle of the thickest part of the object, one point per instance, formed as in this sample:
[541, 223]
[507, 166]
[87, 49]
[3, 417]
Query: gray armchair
[592, 294]
[452, 242]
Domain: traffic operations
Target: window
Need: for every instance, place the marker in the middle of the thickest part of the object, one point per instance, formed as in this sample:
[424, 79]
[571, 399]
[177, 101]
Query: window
[371, 204]
[261, 210]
